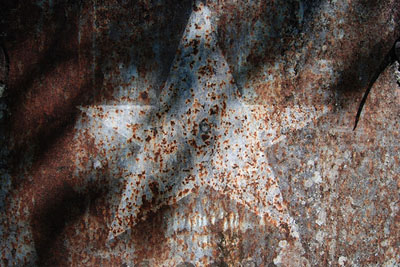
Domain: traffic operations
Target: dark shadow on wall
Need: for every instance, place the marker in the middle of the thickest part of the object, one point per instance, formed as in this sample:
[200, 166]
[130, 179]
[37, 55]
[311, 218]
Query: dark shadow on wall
[51, 40]
[42, 131]
[63, 208]
[258, 33]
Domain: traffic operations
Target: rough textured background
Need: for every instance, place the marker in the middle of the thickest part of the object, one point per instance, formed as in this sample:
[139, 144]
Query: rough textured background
[164, 133]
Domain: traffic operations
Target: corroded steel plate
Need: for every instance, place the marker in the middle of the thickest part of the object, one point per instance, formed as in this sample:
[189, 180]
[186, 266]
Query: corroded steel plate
[199, 133]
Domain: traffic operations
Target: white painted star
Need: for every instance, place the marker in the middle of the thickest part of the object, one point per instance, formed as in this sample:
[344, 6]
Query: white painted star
[201, 134]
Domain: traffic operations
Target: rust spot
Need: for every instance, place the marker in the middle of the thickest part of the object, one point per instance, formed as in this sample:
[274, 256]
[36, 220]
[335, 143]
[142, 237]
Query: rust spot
[144, 95]
[205, 137]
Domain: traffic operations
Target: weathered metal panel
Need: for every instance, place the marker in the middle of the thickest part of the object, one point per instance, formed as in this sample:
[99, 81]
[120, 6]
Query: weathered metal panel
[191, 133]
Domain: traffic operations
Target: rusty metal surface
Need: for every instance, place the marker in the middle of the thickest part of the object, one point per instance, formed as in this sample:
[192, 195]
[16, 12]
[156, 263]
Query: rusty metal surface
[199, 133]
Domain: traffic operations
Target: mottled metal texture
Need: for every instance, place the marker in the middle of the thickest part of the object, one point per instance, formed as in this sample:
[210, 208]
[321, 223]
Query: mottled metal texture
[199, 133]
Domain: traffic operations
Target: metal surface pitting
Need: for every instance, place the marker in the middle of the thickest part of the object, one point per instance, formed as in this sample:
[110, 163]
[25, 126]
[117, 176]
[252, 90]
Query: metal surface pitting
[199, 133]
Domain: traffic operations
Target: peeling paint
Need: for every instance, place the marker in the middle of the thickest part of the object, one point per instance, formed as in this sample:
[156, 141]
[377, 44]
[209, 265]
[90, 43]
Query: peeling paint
[199, 133]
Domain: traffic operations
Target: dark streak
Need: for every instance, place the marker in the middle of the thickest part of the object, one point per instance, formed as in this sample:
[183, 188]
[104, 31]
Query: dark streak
[388, 60]
[6, 70]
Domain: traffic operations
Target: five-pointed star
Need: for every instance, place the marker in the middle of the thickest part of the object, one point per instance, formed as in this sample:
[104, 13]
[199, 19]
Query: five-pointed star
[201, 134]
